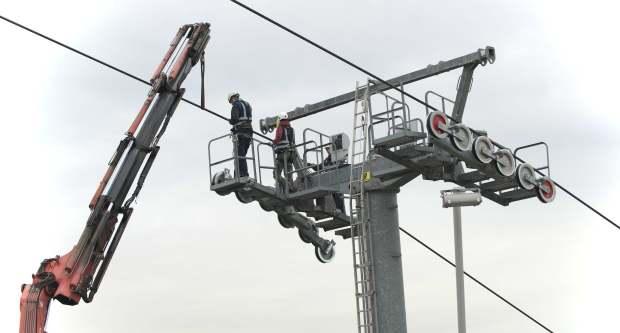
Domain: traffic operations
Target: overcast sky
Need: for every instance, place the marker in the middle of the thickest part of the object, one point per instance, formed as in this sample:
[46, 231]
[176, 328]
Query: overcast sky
[191, 261]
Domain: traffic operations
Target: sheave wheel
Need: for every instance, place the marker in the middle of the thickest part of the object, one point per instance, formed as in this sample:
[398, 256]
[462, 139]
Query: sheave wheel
[435, 122]
[461, 137]
[526, 176]
[264, 206]
[325, 257]
[546, 190]
[483, 149]
[284, 223]
[243, 198]
[505, 162]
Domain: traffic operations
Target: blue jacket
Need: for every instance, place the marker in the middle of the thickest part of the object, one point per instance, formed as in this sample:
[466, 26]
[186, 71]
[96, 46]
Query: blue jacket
[241, 115]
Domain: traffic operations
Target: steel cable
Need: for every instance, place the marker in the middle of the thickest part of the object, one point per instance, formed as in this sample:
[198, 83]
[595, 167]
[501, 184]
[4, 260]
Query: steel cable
[361, 69]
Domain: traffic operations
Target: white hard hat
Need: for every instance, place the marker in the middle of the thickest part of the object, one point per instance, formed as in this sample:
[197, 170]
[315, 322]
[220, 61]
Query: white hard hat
[283, 115]
[232, 94]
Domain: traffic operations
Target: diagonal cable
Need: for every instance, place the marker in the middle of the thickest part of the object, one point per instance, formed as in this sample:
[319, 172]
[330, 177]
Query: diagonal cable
[574, 196]
[112, 67]
[361, 69]
[333, 54]
[477, 281]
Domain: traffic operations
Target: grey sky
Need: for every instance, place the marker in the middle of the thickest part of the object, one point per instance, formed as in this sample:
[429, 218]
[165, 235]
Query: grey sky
[192, 261]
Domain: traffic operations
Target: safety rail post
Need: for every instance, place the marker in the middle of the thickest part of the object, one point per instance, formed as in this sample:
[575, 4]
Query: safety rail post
[253, 157]
[321, 144]
[260, 167]
[211, 164]
[390, 115]
[540, 143]
[441, 97]
[406, 110]
[235, 158]
[235, 140]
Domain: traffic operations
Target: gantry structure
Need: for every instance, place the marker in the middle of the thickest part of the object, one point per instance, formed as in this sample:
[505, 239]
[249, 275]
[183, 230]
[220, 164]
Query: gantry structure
[389, 146]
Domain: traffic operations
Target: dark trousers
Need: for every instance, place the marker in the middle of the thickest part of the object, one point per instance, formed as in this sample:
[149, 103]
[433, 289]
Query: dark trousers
[339, 201]
[243, 143]
[284, 165]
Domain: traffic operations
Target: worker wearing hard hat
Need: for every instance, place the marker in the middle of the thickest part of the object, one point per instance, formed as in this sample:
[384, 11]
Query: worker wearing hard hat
[241, 121]
[284, 143]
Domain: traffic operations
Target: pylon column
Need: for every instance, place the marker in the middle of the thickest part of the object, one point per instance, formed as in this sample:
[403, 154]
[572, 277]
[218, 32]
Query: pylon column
[386, 259]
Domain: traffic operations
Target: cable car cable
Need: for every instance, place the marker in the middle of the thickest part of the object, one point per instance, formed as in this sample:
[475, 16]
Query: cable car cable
[112, 67]
[477, 281]
[361, 69]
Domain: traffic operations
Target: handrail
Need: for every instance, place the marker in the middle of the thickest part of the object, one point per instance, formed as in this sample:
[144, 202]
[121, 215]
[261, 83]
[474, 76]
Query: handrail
[419, 121]
[397, 114]
[235, 156]
[388, 119]
[321, 144]
[209, 152]
[313, 131]
[393, 128]
[443, 101]
[385, 112]
[541, 143]
[406, 109]
[260, 166]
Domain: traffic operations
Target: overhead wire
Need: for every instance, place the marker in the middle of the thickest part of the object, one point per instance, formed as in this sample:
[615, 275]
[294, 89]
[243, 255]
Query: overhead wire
[112, 67]
[333, 54]
[376, 77]
[574, 196]
[512, 305]
[338, 57]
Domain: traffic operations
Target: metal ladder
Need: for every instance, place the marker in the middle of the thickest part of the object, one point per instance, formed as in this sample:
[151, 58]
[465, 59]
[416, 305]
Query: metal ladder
[360, 228]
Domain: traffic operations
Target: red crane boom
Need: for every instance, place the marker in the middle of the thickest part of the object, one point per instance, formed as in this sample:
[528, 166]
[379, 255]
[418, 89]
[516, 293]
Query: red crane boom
[78, 273]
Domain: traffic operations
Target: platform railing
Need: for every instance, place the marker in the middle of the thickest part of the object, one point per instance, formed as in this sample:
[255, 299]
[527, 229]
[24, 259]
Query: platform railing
[261, 164]
[444, 101]
[547, 167]
[396, 116]
[309, 160]
[235, 156]
[301, 168]
[324, 140]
